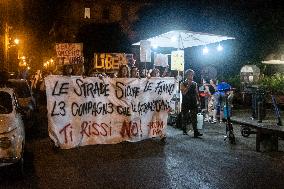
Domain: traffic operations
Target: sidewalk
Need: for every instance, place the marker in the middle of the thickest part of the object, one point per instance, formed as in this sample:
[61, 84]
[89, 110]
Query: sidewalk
[246, 114]
[217, 131]
[270, 119]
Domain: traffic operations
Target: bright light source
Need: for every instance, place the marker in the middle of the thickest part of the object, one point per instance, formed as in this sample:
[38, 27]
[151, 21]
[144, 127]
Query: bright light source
[16, 41]
[174, 39]
[219, 48]
[51, 60]
[155, 46]
[23, 57]
[28, 68]
[205, 50]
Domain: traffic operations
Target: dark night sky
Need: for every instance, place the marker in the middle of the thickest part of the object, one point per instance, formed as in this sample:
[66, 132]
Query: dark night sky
[257, 25]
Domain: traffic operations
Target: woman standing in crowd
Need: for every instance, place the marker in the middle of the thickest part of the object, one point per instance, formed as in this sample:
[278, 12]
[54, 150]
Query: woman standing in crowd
[155, 73]
[216, 100]
[190, 103]
[134, 73]
[206, 94]
[123, 71]
[210, 90]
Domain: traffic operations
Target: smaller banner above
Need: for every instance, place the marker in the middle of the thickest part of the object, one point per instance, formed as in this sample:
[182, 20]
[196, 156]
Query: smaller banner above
[69, 53]
[177, 60]
[145, 51]
[161, 60]
[87, 13]
[111, 61]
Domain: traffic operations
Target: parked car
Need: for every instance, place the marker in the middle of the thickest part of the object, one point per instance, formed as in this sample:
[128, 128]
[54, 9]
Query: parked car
[12, 134]
[26, 99]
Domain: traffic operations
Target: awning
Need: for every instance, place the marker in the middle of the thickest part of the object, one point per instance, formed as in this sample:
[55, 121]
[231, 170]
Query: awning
[273, 62]
[274, 58]
[182, 39]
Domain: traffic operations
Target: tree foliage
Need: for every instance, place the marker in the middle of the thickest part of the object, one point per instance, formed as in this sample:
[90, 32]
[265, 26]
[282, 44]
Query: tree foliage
[274, 83]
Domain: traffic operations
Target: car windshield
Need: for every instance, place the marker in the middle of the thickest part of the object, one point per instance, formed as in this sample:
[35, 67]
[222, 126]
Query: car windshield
[5, 103]
[22, 89]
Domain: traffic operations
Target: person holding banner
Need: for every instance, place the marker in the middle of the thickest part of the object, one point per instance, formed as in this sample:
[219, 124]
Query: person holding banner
[190, 102]
[123, 71]
[155, 73]
[134, 73]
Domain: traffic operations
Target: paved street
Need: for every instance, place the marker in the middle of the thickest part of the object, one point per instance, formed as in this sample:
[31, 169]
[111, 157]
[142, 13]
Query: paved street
[183, 162]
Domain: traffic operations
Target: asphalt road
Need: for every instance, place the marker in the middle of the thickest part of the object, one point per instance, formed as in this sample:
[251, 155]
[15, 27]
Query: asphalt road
[183, 162]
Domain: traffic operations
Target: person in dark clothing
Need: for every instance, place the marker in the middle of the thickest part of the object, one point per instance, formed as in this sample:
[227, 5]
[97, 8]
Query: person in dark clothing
[190, 102]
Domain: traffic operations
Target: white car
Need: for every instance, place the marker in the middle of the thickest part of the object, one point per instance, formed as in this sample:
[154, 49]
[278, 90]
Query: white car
[26, 99]
[12, 134]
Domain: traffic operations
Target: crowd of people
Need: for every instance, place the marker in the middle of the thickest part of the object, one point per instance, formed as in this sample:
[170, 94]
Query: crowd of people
[214, 101]
[204, 97]
[207, 98]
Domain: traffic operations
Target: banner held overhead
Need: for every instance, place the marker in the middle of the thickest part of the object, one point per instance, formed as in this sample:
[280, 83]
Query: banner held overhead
[145, 51]
[177, 60]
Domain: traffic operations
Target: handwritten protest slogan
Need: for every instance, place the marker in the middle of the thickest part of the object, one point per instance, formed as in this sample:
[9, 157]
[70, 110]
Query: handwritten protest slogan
[85, 111]
[69, 53]
[111, 61]
[177, 60]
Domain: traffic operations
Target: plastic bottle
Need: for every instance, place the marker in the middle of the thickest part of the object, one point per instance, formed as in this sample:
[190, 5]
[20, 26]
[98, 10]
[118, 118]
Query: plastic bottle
[199, 121]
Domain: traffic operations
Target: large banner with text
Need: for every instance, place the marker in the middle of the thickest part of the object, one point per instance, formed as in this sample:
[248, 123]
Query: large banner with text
[90, 110]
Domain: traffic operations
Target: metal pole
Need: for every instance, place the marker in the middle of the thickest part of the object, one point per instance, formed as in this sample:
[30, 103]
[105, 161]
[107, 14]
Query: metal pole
[259, 111]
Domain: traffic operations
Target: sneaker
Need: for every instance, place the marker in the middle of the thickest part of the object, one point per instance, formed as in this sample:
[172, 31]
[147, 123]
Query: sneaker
[164, 139]
[214, 121]
[206, 120]
[197, 134]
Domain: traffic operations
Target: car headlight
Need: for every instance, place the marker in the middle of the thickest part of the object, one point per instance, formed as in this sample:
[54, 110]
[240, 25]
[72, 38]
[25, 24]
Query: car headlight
[5, 143]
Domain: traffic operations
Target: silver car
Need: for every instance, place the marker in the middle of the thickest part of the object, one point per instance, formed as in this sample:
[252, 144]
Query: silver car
[12, 134]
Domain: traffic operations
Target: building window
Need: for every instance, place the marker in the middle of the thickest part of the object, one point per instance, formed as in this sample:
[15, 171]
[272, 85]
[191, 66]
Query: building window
[106, 14]
[87, 13]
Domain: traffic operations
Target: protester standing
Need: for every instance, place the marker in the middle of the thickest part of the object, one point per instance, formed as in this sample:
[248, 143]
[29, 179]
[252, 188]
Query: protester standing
[155, 73]
[216, 99]
[190, 102]
[123, 71]
[134, 73]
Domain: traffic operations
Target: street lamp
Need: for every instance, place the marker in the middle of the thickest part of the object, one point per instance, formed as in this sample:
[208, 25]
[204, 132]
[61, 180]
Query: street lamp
[219, 48]
[205, 50]
[16, 41]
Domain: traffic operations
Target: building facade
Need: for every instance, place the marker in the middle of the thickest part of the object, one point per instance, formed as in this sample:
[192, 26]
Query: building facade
[79, 13]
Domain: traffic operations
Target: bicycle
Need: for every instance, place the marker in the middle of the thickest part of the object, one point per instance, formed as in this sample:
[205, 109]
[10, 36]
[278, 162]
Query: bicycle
[229, 126]
[225, 88]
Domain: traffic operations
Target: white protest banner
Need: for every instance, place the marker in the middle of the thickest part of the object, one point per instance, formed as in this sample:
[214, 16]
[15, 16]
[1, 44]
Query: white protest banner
[69, 53]
[85, 111]
[177, 60]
